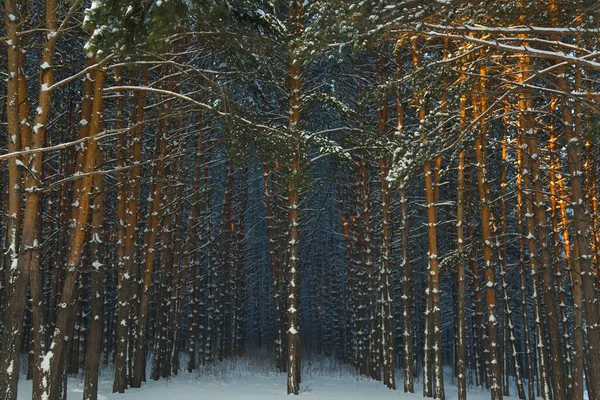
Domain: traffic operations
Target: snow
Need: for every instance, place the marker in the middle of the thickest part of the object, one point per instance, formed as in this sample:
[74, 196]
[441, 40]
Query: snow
[46, 361]
[255, 380]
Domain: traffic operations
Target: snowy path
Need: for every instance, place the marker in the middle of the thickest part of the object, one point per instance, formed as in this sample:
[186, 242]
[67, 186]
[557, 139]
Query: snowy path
[242, 383]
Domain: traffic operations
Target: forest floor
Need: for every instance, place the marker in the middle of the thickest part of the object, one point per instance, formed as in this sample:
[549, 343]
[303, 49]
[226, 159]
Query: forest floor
[252, 380]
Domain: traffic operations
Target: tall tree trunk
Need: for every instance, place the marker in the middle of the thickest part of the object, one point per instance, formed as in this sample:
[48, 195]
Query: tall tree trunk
[123, 266]
[240, 326]
[510, 346]
[276, 273]
[28, 254]
[139, 368]
[461, 313]
[522, 277]
[407, 335]
[130, 246]
[573, 263]
[574, 389]
[385, 292]
[52, 363]
[16, 278]
[480, 103]
[537, 201]
[160, 366]
[191, 259]
[227, 230]
[531, 224]
[97, 261]
[293, 329]
[583, 269]
[477, 315]
[38, 312]
[556, 354]
[434, 295]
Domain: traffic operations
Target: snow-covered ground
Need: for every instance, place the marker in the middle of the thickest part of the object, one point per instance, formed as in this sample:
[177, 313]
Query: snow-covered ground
[250, 380]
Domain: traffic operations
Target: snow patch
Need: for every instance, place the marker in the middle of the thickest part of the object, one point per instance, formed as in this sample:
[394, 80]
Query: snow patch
[46, 361]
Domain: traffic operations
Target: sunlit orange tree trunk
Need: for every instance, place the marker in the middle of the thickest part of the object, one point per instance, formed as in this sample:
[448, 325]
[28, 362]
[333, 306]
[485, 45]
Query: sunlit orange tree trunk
[52, 362]
[434, 296]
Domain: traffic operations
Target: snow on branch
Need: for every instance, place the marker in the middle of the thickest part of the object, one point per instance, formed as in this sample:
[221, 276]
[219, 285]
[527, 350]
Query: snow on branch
[514, 29]
[532, 51]
[197, 103]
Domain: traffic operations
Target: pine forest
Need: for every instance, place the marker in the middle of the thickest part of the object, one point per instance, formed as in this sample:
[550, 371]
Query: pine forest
[341, 199]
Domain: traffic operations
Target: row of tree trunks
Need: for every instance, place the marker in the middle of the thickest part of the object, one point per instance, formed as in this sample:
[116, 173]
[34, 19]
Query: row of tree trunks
[214, 282]
[33, 137]
[150, 237]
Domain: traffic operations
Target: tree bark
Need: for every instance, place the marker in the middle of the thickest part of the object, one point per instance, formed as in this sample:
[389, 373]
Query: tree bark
[97, 260]
[461, 313]
[293, 329]
[434, 295]
[583, 271]
[139, 368]
[123, 266]
[480, 103]
[16, 275]
[52, 363]
[385, 292]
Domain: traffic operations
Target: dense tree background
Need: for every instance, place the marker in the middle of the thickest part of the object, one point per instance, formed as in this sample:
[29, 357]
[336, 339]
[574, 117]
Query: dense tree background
[399, 185]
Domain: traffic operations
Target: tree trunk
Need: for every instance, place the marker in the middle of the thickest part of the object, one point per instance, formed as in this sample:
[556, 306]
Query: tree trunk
[54, 357]
[16, 276]
[510, 346]
[480, 103]
[583, 272]
[123, 266]
[293, 329]
[139, 368]
[192, 261]
[461, 314]
[97, 260]
[434, 296]
[29, 253]
[407, 336]
[385, 292]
